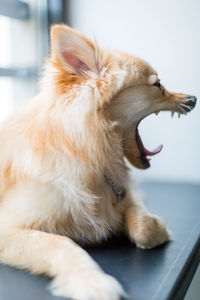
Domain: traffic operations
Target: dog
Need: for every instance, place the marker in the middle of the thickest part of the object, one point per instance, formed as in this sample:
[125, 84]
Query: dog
[63, 164]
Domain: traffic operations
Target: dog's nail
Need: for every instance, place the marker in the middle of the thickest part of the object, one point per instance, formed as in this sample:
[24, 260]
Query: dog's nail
[156, 113]
[179, 114]
[172, 114]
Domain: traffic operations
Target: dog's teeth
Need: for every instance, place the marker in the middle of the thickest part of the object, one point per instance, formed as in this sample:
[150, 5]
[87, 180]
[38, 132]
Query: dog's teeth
[179, 114]
[172, 114]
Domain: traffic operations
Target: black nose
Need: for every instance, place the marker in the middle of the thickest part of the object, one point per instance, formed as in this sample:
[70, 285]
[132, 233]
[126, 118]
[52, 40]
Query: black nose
[191, 101]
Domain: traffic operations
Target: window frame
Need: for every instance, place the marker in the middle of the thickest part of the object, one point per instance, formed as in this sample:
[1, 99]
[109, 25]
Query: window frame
[47, 12]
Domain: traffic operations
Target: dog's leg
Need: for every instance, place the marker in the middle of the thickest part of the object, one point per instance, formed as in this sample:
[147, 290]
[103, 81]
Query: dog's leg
[146, 230]
[75, 274]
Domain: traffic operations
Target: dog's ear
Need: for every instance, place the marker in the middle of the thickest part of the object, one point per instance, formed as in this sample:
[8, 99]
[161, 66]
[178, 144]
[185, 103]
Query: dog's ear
[75, 52]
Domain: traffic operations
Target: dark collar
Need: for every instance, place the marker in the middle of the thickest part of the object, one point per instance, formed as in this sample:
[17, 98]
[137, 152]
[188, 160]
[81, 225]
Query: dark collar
[119, 191]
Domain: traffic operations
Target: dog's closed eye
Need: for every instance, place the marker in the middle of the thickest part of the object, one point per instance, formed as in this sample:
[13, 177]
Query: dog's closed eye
[158, 84]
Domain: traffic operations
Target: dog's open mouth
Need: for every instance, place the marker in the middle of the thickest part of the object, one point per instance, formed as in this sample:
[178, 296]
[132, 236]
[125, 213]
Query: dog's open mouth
[143, 151]
[133, 147]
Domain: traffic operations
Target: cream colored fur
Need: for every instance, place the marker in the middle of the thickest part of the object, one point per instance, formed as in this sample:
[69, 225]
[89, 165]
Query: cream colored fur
[54, 153]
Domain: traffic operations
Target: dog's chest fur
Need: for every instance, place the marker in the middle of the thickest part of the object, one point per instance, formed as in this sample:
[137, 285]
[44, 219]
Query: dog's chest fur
[81, 201]
[68, 202]
[90, 218]
[85, 213]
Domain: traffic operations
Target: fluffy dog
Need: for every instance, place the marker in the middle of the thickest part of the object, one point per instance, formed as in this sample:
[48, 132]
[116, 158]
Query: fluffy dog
[63, 173]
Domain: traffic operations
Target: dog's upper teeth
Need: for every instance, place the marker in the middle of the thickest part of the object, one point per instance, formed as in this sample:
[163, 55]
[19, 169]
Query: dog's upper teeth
[172, 114]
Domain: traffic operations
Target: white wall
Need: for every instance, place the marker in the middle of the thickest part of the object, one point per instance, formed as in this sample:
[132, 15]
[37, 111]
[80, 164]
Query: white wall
[167, 35]
[6, 98]
[22, 44]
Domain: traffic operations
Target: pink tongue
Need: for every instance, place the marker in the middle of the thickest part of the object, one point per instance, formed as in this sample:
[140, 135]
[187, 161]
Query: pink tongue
[151, 153]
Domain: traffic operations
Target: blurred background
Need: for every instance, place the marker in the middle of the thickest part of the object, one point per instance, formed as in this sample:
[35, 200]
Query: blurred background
[165, 33]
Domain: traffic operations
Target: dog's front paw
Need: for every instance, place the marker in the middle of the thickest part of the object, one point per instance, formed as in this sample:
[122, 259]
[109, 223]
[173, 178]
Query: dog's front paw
[149, 232]
[91, 285]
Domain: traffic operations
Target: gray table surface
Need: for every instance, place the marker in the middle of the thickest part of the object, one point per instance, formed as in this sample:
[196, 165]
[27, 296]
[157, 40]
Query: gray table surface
[158, 274]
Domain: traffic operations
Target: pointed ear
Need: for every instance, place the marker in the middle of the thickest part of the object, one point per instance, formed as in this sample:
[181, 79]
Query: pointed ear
[75, 52]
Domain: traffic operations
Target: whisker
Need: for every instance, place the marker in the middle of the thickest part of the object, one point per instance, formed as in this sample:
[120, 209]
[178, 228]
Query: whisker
[182, 110]
[186, 106]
